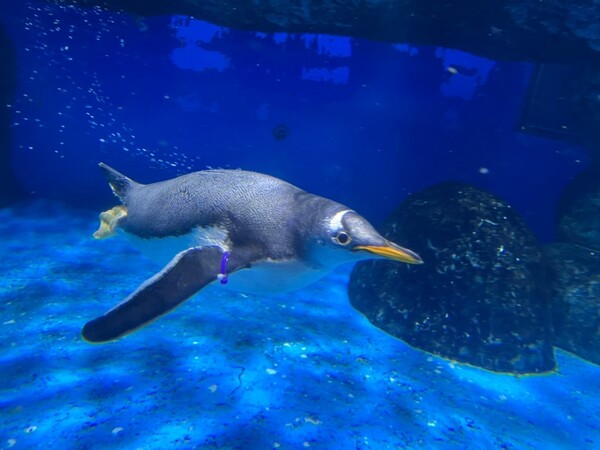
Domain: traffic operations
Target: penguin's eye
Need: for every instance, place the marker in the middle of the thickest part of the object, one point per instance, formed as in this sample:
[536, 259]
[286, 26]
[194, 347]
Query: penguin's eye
[342, 238]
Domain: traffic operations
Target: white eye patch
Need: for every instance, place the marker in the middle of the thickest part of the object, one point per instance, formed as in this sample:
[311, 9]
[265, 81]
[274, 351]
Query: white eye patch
[335, 223]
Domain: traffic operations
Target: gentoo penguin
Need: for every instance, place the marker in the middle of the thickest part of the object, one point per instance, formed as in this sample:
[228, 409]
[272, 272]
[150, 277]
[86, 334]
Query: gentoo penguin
[252, 232]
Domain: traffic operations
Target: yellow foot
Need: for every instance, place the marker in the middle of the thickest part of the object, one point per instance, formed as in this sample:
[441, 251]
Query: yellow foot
[109, 221]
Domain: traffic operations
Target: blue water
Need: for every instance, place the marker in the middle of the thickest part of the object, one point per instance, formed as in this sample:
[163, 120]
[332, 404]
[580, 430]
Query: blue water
[227, 370]
[369, 123]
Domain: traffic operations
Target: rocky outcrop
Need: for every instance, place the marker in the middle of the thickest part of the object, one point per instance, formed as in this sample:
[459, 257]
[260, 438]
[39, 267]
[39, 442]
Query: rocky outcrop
[476, 299]
[573, 279]
[573, 268]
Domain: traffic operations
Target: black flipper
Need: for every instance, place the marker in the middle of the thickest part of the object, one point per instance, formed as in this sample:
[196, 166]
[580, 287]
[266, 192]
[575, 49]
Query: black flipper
[186, 274]
[119, 183]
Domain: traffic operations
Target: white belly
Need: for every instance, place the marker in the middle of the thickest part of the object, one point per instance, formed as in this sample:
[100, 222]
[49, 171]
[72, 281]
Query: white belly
[274, 277]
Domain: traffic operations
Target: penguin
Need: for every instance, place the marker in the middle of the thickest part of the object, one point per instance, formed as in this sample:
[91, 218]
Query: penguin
[248, 231]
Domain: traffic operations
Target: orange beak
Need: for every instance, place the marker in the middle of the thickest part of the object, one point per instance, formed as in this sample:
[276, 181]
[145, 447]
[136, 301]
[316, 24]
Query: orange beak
[393, 252]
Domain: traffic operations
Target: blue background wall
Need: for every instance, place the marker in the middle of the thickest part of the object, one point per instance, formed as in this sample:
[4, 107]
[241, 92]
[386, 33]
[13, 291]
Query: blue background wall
[368, 122]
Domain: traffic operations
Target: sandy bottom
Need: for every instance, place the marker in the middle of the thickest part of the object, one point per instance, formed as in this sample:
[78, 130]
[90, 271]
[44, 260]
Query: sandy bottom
[229, 371]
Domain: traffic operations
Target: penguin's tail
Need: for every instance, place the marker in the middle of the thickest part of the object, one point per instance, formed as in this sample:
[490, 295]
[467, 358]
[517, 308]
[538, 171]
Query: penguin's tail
[119, 183]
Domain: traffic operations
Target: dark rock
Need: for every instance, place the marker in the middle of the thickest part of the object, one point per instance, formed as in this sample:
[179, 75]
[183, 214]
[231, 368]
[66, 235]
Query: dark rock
[573, 275]
[573, 268]
[548, 31]
[476, 298]
[579, 211]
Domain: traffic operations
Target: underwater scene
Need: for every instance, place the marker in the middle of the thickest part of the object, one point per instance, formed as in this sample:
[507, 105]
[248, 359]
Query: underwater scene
[299, 225]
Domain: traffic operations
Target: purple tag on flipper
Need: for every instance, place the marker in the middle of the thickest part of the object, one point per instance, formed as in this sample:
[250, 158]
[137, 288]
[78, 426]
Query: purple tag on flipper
[223, 275]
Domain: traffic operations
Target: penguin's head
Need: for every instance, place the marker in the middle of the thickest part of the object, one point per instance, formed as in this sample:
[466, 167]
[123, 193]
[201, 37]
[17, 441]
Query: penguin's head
[347, 236]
